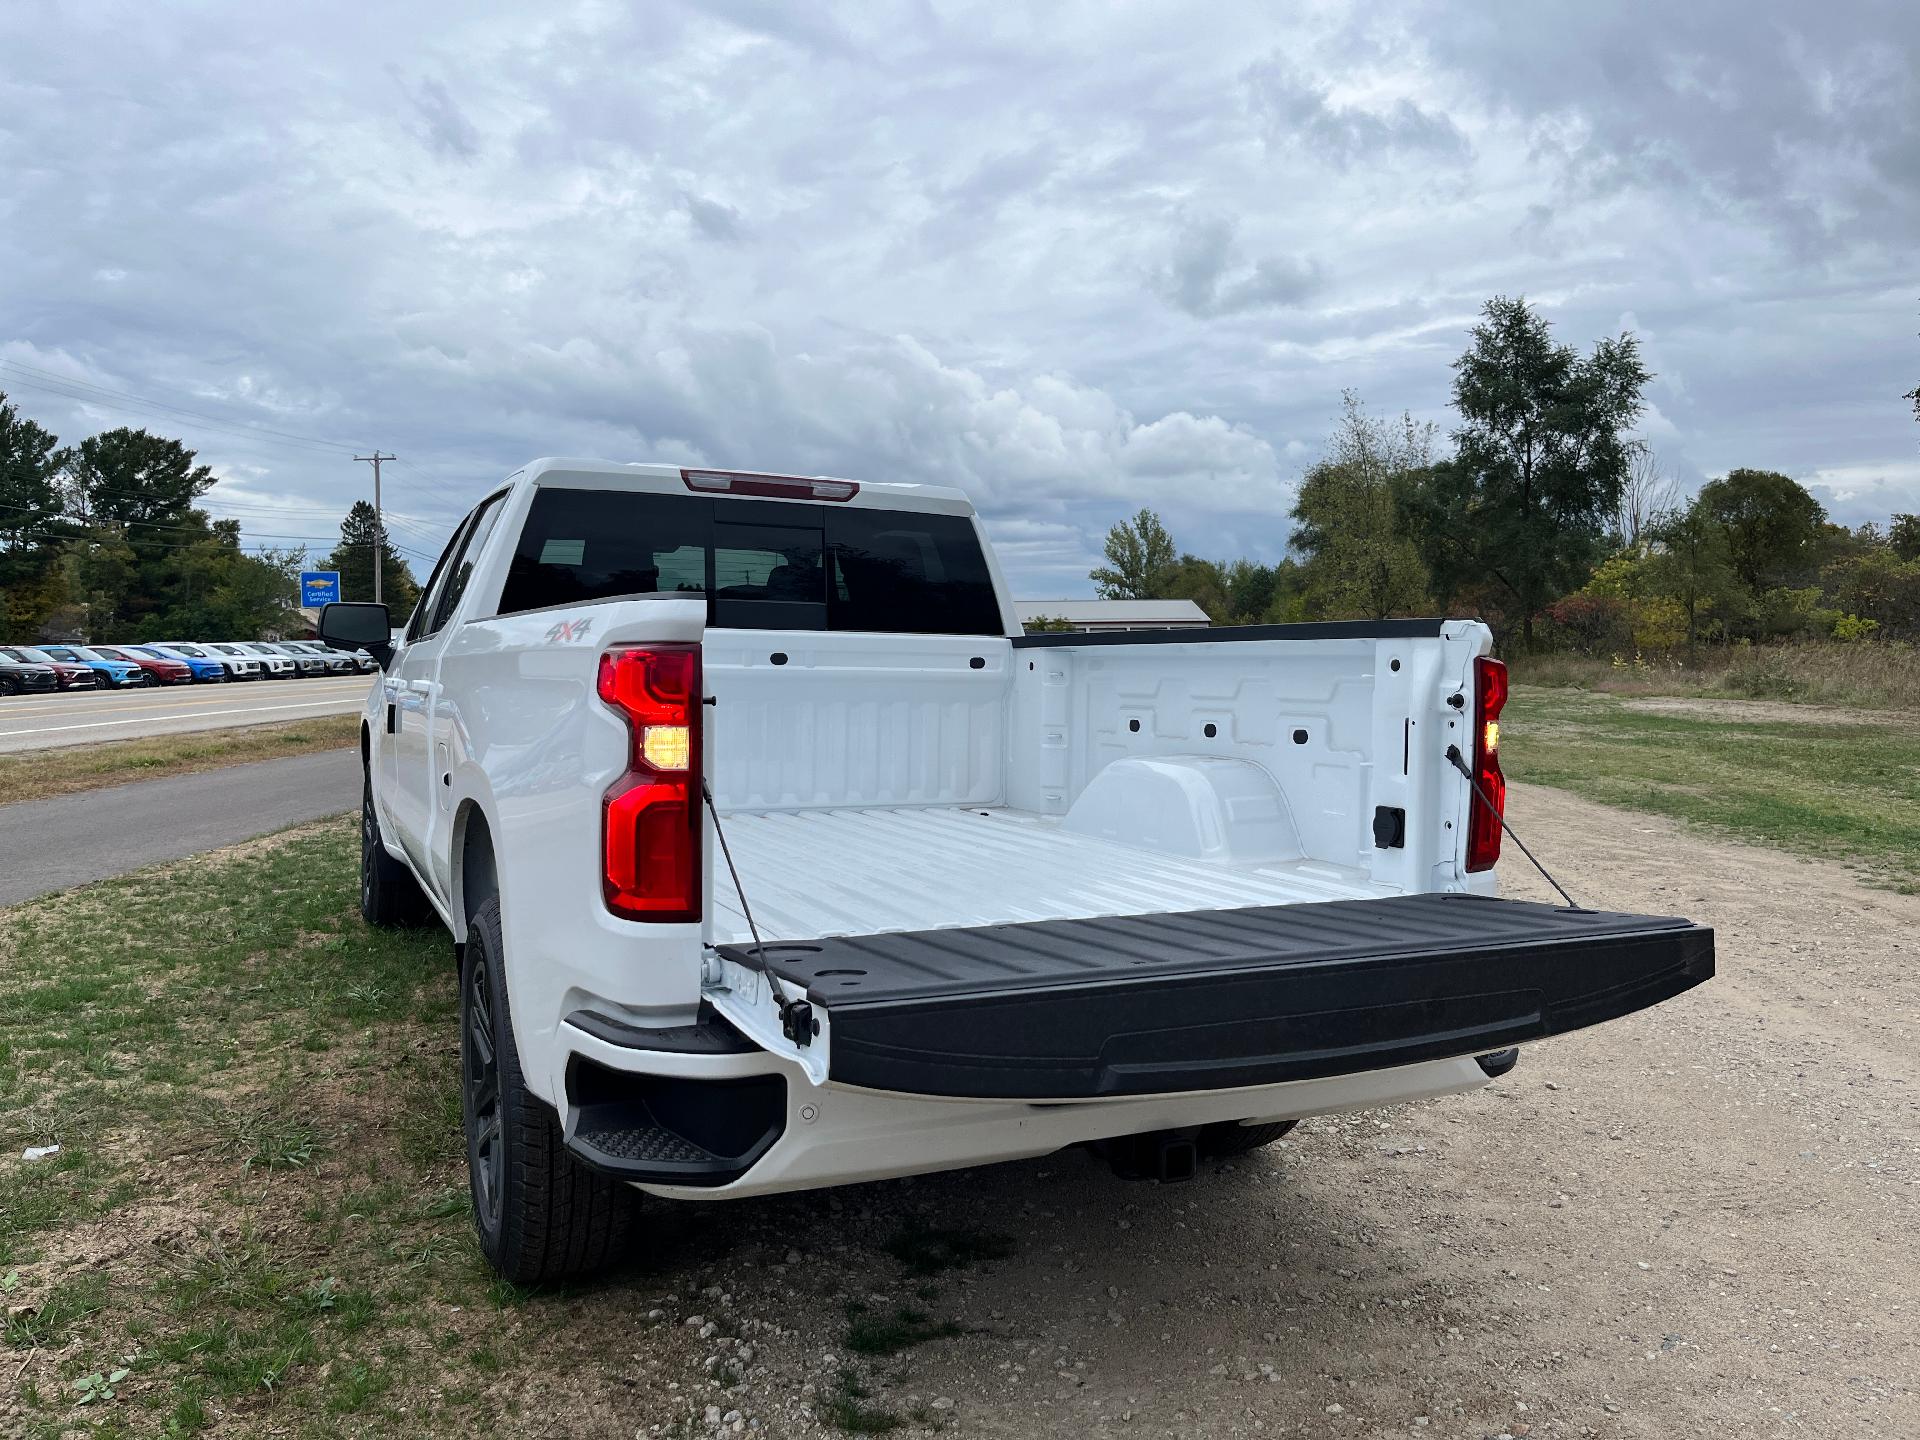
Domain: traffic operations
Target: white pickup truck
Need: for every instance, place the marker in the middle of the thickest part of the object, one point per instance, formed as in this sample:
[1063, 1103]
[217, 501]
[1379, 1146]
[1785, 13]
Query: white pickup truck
[776, 856]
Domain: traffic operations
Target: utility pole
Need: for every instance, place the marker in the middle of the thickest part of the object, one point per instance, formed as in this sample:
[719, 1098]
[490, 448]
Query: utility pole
[374, 460]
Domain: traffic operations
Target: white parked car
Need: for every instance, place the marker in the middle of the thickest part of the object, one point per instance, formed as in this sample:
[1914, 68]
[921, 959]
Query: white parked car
[305, 662]
[267, 665]
[778, 857]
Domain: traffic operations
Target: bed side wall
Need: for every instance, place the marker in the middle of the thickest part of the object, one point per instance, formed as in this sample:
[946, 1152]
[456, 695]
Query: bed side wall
[1342, 725]
[808, 720]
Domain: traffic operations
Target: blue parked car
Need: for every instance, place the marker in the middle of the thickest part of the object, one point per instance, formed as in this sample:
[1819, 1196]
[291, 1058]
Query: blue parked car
[113, 674]
[203, 665]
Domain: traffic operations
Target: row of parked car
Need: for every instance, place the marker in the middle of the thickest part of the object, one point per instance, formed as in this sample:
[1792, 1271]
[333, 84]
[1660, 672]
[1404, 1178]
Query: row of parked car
[29, 669]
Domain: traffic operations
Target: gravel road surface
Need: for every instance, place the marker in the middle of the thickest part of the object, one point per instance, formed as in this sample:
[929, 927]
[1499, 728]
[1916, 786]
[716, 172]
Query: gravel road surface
[41, 722]
[1701, 1220]
[48, 845]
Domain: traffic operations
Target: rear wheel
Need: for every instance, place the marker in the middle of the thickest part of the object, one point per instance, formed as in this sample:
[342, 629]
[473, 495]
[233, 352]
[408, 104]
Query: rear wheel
[540, 1213]
[1218, 1142]
[389, 895]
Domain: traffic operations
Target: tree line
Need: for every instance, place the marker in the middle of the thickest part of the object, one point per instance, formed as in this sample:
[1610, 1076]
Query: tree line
[1548, 519]
[103, 541]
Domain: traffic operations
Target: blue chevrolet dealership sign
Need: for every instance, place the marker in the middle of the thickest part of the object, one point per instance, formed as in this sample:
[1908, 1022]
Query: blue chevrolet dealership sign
[319, 587]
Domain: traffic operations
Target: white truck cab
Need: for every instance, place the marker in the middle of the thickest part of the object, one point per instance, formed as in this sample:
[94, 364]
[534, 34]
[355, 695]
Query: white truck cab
[777, 856]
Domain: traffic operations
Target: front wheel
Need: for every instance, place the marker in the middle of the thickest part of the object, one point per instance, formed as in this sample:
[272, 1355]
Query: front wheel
[390, 897]
[540, 1213]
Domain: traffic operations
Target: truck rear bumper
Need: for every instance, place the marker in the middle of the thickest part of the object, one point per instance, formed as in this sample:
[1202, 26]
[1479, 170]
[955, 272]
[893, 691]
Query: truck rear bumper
[840, 1136]
[716, 1119]
[1214, 999]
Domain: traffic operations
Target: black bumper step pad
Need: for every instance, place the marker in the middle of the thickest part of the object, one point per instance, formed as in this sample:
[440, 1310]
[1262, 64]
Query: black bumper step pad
[1214, 999]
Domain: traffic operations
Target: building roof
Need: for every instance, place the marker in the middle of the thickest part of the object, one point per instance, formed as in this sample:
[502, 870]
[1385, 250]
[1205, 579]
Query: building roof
[1116, 613]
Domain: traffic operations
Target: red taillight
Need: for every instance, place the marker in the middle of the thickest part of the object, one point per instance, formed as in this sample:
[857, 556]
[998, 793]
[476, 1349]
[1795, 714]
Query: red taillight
[1483, 828]
[651, 832]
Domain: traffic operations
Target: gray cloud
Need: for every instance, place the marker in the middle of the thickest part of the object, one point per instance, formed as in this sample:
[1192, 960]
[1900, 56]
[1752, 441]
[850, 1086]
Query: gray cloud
[1074, 262]
[1204, 276]
[1296, 111]
[713, 219]
[445, 127]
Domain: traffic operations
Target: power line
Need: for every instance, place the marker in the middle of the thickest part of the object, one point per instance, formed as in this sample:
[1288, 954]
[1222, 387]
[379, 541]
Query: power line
[242, 545]
[265, 506]
[36, 378]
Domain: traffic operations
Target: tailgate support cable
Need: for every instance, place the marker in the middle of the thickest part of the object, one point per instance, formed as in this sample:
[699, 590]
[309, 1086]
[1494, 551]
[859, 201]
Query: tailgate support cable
[1460, 764]
[796, 1016]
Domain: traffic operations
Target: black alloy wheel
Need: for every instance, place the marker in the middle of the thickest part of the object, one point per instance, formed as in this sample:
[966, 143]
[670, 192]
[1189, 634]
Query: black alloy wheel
[480, 1099]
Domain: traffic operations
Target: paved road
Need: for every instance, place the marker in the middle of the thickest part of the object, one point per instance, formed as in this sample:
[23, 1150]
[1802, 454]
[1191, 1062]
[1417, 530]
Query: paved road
[48, 845]
[39, 722]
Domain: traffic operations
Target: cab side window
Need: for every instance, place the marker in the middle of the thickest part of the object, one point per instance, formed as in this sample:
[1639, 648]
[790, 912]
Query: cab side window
[430, 596]
[461, 570]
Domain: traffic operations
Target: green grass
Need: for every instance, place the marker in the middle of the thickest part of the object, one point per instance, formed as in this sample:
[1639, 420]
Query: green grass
[37, 774]
[313, 1205]
[900, 1329]
[1844, 791]
[1877, 675]
[259, 1210]
[847, 1409]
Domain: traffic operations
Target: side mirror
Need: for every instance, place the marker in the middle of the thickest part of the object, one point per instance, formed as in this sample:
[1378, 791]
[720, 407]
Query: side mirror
[356, 625]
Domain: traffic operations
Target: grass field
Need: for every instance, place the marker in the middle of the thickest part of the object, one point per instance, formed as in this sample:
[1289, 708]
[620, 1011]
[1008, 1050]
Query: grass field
[1828, 783]
[257, 1222]
[37, 774]
[1880, 675]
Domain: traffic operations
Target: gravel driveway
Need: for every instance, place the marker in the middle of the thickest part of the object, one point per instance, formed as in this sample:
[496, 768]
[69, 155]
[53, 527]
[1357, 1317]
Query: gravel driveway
[1702, 1220]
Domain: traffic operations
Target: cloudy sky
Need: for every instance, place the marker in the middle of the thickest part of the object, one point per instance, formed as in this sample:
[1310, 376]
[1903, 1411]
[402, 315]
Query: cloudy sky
[1076, 261]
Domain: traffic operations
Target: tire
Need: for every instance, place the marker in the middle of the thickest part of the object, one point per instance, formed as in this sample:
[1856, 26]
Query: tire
[1223, 1141]
[9, 685]
[390, 898]
[541, 1215]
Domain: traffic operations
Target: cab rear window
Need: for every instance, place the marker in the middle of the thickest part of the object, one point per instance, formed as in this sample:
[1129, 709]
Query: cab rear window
[760, 564]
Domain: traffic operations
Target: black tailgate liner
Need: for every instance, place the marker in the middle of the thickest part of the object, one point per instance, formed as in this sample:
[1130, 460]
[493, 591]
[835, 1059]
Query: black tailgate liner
[1211, 999]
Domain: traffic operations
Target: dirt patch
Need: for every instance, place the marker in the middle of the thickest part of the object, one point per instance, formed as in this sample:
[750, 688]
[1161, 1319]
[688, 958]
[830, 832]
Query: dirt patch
[1691, 1222]
[1762, 712]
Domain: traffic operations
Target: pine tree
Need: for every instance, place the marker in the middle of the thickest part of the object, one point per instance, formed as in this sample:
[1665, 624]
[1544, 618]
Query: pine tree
[353, 558]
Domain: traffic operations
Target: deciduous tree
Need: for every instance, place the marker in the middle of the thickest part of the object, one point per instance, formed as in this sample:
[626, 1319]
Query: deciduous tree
[1350, 523]
[1647, 491]
[1904, 536]
[1542, 453]
[1772, 526]
[1140, 560]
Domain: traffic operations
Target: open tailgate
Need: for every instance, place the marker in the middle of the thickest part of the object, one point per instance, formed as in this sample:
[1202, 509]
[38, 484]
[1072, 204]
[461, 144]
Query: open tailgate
[1212, 999]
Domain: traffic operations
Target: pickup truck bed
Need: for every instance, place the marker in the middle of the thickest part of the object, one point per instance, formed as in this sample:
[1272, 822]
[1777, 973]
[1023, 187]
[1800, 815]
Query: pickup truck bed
[1206, 999]
[811, 873]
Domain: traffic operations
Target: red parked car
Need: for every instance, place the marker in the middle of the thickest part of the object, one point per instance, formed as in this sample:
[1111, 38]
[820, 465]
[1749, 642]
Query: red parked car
[67, 675]
[157, 668]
